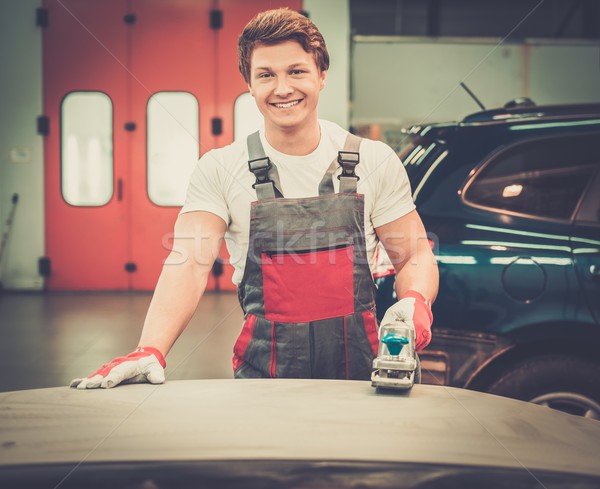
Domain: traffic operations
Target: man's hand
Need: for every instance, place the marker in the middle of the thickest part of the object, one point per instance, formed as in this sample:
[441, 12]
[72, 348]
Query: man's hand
[415, 311]
[145, 364]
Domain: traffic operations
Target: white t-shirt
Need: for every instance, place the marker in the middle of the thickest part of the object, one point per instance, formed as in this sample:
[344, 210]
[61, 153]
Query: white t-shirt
[222, 184]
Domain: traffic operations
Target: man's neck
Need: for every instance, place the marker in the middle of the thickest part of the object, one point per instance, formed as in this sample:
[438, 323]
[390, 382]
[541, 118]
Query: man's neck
[296, 141]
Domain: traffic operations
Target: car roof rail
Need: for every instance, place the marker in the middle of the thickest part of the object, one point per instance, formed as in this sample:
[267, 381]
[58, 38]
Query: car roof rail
[519, 102]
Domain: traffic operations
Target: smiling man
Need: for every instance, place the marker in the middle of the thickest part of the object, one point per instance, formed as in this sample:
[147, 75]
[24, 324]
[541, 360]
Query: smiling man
[302, 205]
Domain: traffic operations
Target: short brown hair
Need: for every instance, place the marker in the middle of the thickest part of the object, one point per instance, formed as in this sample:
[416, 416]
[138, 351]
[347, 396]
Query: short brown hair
[277, 26]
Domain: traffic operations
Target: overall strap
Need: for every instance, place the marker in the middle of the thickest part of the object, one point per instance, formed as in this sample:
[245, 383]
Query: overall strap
[347, 159]
[267, 183]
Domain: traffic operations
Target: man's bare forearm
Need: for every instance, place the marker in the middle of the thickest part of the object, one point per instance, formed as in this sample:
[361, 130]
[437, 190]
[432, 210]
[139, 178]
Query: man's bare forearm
[407, 245]
[175, 299]
[197, 239]
[420, 273]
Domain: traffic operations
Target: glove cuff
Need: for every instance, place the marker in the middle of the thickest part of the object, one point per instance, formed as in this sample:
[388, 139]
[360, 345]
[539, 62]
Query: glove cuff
[420, 298]
[149, 349]
[422, 317]
[417, 296]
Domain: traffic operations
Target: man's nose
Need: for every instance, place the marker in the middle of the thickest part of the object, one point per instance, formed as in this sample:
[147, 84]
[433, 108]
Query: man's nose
[283, 88]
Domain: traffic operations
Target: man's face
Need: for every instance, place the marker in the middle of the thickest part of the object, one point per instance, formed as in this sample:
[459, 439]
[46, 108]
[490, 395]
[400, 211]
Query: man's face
[285, 82]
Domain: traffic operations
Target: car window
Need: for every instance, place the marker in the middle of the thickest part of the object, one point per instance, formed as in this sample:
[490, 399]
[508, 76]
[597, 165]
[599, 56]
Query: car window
[543, 178]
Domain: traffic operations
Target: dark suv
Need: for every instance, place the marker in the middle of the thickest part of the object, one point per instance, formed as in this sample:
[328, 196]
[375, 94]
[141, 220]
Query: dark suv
[511, 201]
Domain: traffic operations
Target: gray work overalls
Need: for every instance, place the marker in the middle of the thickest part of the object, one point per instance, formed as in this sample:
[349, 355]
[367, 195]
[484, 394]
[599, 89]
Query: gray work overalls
[307, 292]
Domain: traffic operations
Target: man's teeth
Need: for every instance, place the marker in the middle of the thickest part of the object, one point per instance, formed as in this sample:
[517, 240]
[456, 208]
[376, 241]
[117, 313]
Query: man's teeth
[287, 105]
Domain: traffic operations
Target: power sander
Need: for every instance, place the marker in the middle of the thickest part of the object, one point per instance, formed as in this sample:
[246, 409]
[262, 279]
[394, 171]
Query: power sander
[395, 364]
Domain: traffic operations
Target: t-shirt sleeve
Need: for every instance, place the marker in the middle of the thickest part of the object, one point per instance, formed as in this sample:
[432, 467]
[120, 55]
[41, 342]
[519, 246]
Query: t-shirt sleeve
[393, 198]
[205, 190]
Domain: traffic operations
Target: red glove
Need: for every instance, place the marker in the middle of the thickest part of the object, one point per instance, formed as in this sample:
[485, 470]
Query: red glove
[145, 364]
[414, 310]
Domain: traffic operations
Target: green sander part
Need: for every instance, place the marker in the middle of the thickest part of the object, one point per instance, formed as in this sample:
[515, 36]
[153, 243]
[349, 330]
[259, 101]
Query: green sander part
[395, 343]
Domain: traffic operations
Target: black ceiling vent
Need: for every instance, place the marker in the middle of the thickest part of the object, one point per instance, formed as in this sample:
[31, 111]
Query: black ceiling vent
[216, 19]
[41, 17]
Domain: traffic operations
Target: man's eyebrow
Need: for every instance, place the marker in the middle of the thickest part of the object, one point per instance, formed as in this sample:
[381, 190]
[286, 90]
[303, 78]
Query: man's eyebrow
[290, 67]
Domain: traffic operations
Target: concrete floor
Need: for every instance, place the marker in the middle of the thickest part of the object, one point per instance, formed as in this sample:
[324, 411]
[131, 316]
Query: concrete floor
[47, 339]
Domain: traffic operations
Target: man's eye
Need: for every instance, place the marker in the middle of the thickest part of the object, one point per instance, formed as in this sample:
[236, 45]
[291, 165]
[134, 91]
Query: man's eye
[264, 75]
[297, 72]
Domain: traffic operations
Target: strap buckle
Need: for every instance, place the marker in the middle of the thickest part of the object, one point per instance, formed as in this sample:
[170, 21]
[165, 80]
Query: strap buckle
[260, 167]
[348, 161]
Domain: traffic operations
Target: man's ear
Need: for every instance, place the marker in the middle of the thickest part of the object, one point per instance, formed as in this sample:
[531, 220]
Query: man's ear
[250, 90]
[323, 79]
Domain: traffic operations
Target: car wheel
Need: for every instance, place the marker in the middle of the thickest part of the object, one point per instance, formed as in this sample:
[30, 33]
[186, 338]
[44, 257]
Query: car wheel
[565, 383]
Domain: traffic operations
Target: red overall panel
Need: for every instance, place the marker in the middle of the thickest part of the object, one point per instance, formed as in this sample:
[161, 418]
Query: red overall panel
[172, 50]
[305, 287]
[83, 48]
